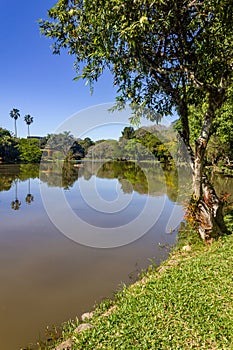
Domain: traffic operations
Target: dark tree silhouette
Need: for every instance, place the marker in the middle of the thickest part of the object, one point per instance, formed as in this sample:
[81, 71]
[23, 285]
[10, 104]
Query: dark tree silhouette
[28, 120]
[14, 113]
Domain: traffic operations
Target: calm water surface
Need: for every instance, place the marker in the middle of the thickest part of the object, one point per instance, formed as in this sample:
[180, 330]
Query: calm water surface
[46, 278]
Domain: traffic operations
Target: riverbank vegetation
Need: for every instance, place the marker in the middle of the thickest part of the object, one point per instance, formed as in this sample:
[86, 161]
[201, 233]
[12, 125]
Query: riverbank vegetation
[186, 303]
[142, 144]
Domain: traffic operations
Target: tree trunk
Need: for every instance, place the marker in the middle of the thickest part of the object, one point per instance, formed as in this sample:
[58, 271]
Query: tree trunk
[208, 208]
[15, 129]
[208, 213]
[197, 176]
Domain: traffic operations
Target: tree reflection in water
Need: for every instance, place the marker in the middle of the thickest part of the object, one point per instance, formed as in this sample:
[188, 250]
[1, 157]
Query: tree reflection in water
[15, 205]
[29, 198]
[131, 175]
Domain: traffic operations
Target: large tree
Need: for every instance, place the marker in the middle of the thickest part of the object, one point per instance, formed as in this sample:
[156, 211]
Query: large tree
[164, 55]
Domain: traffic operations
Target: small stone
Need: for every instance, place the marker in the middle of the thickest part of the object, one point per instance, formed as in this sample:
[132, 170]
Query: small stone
[66, 345]
[87, 316]
[187, 248]
[163, 268]
[109, 311]
[82, 327]
[173, 262]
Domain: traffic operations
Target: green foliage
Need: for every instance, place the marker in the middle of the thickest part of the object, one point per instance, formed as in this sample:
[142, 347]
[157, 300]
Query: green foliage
[137, 151]
[140, 144]
[220, 145]
[153, 145]
[61, 142]
[6, 181]
[223, 125]
[229, 220]
[128, 132]
[85, 144]
[8, 150]
[14, 113]
[66, 146]
[30, 151]
[76, 151]
[28, 119]
[28, 171]
[4, 132]
[106, 149]
[223, 129]
[188, 235]
[63, 145]
[219, 153]
[162, 54]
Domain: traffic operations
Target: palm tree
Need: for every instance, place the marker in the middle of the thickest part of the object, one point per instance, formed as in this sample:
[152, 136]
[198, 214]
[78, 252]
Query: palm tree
[15, 114]
[28, 120]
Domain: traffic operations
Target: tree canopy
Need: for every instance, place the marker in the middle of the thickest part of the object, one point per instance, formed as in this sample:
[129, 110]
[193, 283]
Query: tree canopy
[159, 52]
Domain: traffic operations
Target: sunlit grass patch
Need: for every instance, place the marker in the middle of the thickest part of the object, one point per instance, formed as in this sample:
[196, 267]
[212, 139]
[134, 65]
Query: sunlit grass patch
[190, 306]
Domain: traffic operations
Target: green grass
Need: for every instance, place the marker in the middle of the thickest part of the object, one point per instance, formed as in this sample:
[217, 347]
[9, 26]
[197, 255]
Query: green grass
[187, 303]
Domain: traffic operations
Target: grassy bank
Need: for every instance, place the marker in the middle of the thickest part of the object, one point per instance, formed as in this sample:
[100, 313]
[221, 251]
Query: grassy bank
[186, 303]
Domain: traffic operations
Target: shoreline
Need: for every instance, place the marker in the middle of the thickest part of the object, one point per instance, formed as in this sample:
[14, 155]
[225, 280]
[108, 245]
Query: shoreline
[126, 317]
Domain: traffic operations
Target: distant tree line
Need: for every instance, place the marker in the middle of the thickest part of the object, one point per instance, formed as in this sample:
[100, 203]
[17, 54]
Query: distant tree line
[145, 143]
[141, 144]
[30, 150]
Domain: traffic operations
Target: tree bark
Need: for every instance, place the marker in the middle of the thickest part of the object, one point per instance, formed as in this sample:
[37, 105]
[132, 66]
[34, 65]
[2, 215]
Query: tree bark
[209, 213]
[209, 208]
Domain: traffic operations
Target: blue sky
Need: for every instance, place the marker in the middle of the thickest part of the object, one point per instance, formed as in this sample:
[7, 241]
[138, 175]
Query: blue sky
[41, 84]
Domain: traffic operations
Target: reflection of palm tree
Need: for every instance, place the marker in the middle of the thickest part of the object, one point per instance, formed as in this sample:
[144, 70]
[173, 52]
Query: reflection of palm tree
[15, 205]
[29, 198]
[15, 115]
[28, 120]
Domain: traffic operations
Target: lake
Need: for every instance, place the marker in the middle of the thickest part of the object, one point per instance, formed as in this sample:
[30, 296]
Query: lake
[72, 234]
